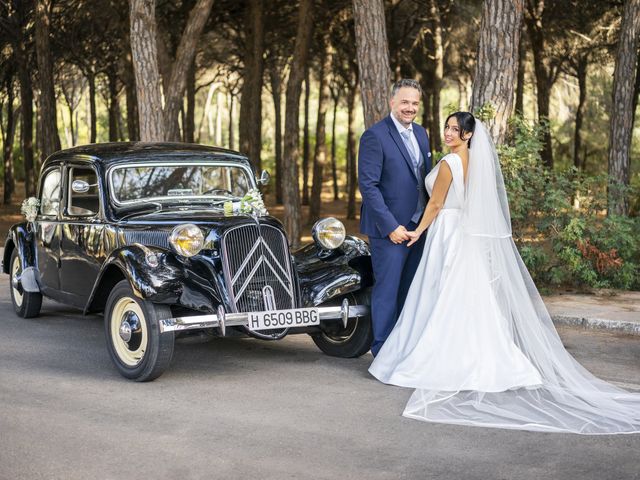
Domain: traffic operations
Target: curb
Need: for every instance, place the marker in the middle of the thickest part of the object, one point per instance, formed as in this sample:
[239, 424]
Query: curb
[614, 326]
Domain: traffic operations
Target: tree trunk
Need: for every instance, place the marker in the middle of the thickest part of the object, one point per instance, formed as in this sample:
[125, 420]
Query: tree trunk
[438, 72]
[26, 129]
[581, 73]
[290, 189]
[189, 125]
[334, 168]
[144, 52]
[72, 127]
[621, 112]
[544, 81]
[276, 92]
[49, 131]
[218, 135]
[184, 58]
[352, 167]
[373, 58]
[522, 57]
[320, 154]
[232, 140]
[133, 128]
[114, 111]
[251, 100]
[91, 80]
[426, 106]
[69, 100]
[166, 61]
[497, 61]
[8, 144]
[306, 150]
[636, 90]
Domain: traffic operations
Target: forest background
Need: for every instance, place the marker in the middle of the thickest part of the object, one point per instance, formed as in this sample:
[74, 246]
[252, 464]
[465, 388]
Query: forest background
[293, 84]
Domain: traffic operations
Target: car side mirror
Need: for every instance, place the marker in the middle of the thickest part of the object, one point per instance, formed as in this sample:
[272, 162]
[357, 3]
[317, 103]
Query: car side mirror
[80, 186]
[264, 178]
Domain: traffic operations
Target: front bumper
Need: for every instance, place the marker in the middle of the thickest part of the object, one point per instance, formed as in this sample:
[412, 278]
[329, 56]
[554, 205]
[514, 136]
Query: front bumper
[222, 320]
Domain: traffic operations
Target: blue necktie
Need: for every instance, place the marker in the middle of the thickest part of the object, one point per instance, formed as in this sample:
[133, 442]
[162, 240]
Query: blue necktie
[406, 136]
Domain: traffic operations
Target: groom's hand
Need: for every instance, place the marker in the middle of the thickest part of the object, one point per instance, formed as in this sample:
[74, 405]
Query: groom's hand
[399, 235]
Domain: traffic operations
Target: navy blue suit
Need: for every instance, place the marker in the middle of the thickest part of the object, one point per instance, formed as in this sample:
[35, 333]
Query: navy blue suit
[390, 186]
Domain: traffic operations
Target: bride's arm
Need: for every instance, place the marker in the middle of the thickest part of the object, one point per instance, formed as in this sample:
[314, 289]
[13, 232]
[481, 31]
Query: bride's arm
[436, 202]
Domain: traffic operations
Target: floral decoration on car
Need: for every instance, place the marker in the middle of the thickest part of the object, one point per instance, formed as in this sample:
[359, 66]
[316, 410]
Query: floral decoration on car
[29, 208]
[251, 203]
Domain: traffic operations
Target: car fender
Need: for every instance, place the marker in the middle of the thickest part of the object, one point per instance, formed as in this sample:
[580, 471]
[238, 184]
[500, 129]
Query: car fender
[21, 238]
[327, 274]
[157, 275]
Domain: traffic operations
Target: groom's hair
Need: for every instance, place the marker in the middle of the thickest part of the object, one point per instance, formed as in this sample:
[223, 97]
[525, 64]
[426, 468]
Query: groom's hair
[405, 82]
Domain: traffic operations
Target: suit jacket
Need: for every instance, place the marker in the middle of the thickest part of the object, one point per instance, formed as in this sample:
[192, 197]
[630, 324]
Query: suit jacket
[387, 178]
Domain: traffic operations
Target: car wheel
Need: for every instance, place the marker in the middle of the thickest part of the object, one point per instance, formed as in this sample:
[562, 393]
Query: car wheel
[352, 341]
[136, 346]
[26, 304]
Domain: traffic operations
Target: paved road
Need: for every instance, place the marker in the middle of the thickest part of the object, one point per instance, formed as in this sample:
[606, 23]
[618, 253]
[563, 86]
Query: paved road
[243, 409]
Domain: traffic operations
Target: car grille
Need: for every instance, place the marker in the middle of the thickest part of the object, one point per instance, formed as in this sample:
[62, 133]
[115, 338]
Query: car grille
[257, 268]
[150, 238]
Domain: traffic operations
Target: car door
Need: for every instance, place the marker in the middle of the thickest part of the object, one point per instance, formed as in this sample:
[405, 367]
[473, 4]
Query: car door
[48, 229]
[81, 250]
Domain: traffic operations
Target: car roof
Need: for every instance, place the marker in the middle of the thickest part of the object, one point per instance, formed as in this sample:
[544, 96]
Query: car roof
[108, 153]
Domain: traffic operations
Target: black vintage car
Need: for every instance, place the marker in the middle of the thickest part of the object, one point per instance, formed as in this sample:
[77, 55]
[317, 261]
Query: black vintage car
[169, 240]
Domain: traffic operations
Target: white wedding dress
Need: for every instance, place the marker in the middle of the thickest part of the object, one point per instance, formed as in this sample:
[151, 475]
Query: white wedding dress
[474, 337]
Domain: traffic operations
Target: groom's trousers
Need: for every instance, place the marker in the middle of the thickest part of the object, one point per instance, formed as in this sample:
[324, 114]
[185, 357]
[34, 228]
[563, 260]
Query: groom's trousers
[394, 266]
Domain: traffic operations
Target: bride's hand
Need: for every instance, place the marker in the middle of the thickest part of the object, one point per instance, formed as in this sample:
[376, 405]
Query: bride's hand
[414, 236]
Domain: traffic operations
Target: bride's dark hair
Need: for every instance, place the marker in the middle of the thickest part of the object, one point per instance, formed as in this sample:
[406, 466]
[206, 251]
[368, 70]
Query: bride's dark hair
[466, 123]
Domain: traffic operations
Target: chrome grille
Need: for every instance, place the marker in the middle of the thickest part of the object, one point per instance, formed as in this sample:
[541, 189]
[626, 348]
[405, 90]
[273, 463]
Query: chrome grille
[150, 238]
[257, 268]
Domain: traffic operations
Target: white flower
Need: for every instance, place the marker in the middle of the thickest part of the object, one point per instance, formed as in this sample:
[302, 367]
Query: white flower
[29, 208]
[252, 202]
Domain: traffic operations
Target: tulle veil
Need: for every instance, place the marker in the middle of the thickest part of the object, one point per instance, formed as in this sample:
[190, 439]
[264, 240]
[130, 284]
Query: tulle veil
[570, 398]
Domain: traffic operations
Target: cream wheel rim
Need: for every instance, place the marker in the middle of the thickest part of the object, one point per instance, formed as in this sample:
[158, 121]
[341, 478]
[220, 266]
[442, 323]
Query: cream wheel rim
[15, 272]
[128, 331]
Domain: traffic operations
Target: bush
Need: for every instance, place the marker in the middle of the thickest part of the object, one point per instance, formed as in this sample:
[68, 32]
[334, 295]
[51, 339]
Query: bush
[559, 222]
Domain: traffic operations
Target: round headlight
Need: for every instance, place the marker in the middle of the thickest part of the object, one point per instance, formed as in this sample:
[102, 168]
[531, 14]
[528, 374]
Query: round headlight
[328, 233]
[187, 240]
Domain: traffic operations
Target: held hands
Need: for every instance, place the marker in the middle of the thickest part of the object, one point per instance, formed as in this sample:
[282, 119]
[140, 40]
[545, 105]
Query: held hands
[399, 235]
[414, 237]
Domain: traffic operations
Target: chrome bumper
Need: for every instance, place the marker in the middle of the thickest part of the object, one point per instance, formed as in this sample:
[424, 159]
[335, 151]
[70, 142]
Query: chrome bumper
[222, 320]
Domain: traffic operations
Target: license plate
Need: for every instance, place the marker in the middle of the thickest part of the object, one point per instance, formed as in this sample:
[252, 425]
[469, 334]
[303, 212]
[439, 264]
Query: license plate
[298, 317]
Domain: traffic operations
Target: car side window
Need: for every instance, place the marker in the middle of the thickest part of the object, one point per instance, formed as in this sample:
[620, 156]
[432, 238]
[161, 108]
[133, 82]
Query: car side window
[50, 197]
[83, 198]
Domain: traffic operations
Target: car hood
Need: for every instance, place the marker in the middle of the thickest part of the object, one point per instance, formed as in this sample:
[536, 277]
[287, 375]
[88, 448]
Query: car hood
[205, 219]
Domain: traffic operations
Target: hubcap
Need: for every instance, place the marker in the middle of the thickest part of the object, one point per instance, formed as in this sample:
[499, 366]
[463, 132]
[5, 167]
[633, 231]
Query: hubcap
[16, 287]
[130, 324]
[125, 331]
[128, 331]
[344, 335]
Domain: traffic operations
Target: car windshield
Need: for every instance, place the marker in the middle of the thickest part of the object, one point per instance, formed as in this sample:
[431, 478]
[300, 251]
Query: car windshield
[131, 183]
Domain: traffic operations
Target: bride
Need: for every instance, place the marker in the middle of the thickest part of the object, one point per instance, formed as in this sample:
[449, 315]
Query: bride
[474, 337]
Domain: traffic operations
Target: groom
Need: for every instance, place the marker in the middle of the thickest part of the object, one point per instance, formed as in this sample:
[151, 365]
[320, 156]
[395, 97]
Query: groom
[393, 160]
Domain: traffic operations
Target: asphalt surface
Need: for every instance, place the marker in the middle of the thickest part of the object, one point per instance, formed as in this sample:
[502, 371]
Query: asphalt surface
[244, 409]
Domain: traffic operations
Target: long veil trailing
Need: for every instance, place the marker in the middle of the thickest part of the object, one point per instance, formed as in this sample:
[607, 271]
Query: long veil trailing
[570, 399]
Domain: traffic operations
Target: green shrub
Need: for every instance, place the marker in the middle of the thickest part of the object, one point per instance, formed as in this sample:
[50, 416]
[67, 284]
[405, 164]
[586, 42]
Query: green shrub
[559, 221]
